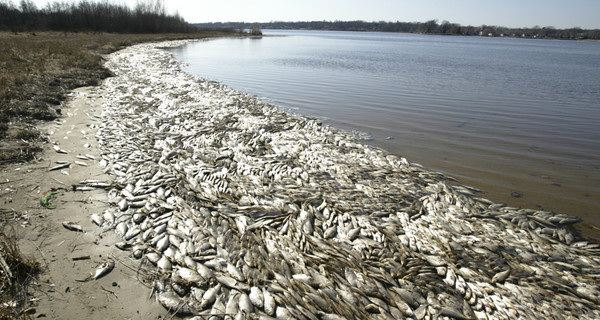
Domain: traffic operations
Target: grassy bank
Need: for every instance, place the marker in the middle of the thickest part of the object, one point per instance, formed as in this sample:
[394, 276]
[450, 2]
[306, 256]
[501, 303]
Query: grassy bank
[38, 69]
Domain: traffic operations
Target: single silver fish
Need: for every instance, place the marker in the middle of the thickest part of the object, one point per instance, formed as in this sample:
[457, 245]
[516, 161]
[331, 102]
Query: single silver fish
[72, 226]
[102, 270]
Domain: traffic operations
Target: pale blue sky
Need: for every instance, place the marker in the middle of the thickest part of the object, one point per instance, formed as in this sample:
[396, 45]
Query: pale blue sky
[510, 13]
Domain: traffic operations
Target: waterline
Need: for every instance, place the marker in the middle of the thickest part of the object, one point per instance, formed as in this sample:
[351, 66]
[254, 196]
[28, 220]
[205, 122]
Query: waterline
[496, 113]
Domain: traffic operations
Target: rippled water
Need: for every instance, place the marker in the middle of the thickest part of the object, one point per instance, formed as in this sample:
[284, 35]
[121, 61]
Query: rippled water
[517, 118]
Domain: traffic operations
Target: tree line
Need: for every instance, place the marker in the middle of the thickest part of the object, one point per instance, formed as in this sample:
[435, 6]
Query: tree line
[428, 27]
[91, 16]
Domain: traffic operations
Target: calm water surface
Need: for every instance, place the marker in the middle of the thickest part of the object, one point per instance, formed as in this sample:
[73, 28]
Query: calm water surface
[516, 118]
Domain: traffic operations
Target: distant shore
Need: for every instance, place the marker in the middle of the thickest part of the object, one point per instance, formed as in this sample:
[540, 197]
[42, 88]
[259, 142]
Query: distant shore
[428, 27]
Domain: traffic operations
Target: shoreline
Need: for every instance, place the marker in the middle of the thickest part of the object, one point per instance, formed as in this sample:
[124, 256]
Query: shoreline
[265, 204]
[532, 189]
[516, 168]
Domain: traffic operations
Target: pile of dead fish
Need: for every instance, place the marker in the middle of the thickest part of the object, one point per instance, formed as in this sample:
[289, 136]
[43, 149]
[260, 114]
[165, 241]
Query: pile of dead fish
[250, 212]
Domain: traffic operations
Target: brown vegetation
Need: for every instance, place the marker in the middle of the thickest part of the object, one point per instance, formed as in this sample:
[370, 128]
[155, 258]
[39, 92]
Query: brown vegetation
[16, 271]
[147, 17]
[37, 70]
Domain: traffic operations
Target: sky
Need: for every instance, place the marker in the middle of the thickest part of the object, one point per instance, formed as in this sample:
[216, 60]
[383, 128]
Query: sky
[509, 13]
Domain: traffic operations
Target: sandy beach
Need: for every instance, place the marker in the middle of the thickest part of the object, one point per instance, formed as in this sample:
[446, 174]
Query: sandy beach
[67, 256]
[237, 209]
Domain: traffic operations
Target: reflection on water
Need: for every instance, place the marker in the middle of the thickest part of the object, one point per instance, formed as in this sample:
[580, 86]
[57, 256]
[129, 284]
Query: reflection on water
[517, 118]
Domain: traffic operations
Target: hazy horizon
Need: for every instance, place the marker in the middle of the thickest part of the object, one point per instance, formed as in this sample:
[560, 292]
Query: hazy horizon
[508, 13]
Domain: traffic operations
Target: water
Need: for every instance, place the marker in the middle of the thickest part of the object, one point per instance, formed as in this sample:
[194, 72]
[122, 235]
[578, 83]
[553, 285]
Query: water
[516, 118]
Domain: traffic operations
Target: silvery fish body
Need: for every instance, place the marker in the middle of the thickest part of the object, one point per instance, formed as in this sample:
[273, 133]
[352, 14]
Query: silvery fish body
[245, 304]
[209, 296]
[102, 270]
[97, 219]
[172, 302]
[187, 276]
[256, 297]
[269, 303]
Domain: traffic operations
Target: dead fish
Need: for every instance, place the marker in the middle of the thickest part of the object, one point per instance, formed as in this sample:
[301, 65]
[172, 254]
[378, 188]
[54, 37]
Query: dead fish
[72, 226]
[256, 297]
[187, 276]
[172, 302]
[235, 272]
[162, 244]
[210, 296]
[153, 257]
[102, 270]
[245, 304]
[330, 316]
[100, 184]
[501, 276]
[60, 166]
[204, 271]
[109, 216]
[138, 251]
[330, 232]
[232, 308]
[123, 205]
[164, 263]
[452, 313]
[123, 245]
[353, 234]
[97, 219]
[58, 149]
[80, 188]
[121, 228]
[269, 302]
[131, 233]
[231, 283]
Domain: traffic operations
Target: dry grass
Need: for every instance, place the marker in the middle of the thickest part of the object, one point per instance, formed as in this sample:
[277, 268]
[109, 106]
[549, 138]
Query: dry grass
[37, 70]
[16, 271]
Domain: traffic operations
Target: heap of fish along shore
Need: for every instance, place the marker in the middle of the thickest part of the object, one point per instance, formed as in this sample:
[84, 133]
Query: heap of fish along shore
[249, 212]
